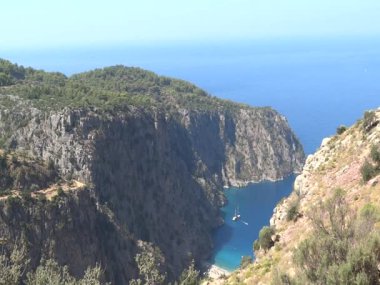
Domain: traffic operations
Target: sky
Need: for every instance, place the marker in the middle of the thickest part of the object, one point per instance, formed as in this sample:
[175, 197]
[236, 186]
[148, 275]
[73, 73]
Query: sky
[47, 23]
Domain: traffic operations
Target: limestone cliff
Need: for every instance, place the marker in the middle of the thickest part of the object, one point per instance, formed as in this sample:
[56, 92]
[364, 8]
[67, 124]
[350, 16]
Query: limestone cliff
[338, 164]
[153, 171]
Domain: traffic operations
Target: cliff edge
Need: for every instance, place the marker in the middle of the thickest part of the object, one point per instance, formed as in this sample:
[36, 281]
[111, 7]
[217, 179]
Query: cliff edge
[151, 153]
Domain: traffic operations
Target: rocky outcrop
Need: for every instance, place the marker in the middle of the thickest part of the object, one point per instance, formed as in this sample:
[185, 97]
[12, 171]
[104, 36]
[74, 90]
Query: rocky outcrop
[152, 175]
[337, 164]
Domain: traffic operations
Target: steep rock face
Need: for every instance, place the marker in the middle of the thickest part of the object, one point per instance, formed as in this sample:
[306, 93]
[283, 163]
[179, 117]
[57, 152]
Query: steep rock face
[154, 175]
[71, 229]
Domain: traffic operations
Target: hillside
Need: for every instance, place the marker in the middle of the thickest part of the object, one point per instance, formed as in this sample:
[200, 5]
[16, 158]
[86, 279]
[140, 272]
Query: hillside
[327, 231]
[149, 155]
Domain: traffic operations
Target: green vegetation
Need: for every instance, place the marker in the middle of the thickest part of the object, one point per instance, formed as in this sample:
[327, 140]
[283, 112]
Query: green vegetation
[369, 121]
[149, 263]
[344, 248]
[13, 269]
[368, 171]
[245, 261]
[49, 272]
[341, 129]
[264, 241]
[190, 276]
[371, 169]
[12, 266]
[375, 154]
[20, 172]
[292, 213]
[110, 89]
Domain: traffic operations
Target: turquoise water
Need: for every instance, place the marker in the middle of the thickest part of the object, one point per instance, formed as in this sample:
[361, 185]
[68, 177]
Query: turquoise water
[317, 84]
[256, 203]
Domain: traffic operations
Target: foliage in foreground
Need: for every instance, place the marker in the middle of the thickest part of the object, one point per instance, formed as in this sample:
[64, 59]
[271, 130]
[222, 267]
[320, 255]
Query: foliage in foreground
[264, 241]
[343, 249]
[13, 268]
[371, 167]
[149, 263]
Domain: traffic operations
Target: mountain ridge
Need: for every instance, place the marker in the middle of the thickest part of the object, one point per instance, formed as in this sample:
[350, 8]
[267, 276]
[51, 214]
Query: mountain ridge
[146, 149]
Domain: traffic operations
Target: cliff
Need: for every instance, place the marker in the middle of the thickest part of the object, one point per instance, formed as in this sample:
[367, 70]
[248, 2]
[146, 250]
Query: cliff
[152, 154]
[344, 171]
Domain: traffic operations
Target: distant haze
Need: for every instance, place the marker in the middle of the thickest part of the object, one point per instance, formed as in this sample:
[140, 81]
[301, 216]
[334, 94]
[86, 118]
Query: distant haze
[44, 23]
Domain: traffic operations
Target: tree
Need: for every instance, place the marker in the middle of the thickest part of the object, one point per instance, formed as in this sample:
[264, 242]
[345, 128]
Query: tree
[341, 129]
[50, 273]
[344, 248]
[13, 267]
[149, 263]
[369, 120]
[189, 276]
[265, 241]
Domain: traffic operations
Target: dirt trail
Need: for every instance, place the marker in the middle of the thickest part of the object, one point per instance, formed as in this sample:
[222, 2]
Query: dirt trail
[51, 191]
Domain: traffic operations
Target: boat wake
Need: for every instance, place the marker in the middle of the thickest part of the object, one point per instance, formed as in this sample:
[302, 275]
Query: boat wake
[245, 223]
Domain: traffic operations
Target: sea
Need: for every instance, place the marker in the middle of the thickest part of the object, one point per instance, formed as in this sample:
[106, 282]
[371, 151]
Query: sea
[317, 84]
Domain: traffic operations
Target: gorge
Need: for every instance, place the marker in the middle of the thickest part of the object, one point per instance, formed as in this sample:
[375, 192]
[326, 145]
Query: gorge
[139, 162]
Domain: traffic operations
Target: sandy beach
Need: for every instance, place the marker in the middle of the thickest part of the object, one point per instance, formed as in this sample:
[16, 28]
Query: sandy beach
[214, 272]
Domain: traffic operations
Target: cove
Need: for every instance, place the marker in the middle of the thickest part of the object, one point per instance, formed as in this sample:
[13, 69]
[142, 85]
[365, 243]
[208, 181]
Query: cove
[256, 203]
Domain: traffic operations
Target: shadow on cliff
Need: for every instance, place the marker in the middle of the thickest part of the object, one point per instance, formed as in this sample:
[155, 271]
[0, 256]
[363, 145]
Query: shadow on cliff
[152, 177]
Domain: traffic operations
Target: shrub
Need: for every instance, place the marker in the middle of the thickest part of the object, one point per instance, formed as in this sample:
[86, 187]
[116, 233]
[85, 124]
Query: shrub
[369, 120]
[368, 171]
[265, 241]
[60, 192]
[12, 266]
[34, 187]
[341, 129]
[245, 261]
[375, 154]
[343, 249]
[51, 165]
[50, 272]
[370, 212]
[190, 276]
[292, 213]
[256, 245]
[149, 263]
[280, 278]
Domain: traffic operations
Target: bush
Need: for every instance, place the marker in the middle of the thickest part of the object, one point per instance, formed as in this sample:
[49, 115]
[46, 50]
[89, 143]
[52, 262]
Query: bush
[50, 272]
[369, 120]
[60, 192]
[375, 154]
[341, 129]
[292, 213]
[343, 249]
[265, 241]
[12, 266]
[149, 263]
[190, 276]
[256, 245]
[368, 171]
[245, 261]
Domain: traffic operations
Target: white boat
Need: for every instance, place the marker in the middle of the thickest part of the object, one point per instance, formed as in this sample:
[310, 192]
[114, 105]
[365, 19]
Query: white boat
[236, 217]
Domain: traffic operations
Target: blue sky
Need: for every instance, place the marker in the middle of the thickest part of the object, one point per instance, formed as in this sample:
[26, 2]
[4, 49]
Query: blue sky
[45, 23]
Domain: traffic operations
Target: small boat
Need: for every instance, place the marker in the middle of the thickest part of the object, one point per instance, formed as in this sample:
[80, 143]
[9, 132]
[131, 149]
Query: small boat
[236, 217]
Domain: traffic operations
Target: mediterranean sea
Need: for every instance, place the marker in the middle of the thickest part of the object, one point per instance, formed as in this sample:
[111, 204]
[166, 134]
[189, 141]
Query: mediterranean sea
[318, 84]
